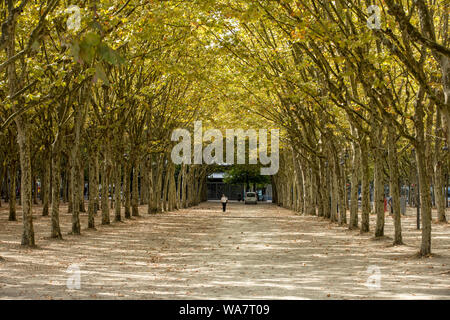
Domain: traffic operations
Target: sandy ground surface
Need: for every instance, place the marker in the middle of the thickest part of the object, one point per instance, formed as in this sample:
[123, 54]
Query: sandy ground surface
[251, 252]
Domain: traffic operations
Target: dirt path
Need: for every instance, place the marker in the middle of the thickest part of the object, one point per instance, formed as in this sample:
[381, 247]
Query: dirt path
[251, 252]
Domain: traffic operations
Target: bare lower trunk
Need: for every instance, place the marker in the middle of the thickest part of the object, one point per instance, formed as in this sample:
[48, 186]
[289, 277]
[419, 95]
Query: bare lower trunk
[183, 187]
[394, 183]
[56, 186]
[172, 188]
[342, 201]
[12, 192]
[135, 194]
[365, 192]
[144, 183]
[326, 189]
[378, 182]
[46, 185]
[105, 192]
[151, 209]
[166, 189]
[81, 188]
[25, 185]
[93, 189]
[354, 189]
[75, 181]
[159, 186]
[425, 200]
[178, 191]
[334, 193]
[117, 200]
[127, 191]
[439, 161]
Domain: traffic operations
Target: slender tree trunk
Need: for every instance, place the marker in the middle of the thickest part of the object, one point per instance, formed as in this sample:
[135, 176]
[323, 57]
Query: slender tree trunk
[93, 188]
[12, 191]
[127, 191]
[25, 185]
[159, 186]
[151, 209]
[341, 192]
[378, 182]
[135, 194]
[117, 200]
[439, 185]
[334, 193]
[365, 192]
[144, 183]
[394, 182]
[81, 185]
[69, 188]
[74, 179]
[56, 187]
[326, 189]
[354, 188]
[23, 134]
[172, 189]
[105, 191]
[75, 170]
[166, 189]
[178, 192]
[183, 187]
[46, 184]
[425, 200]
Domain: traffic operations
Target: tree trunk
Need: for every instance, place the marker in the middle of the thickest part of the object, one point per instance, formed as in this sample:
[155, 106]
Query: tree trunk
[93, 189]
[151, 209]
[105, 191]
[23, 135]
[378, 181]
[46, 184]
[394, 183]
[439, 185]
[12, 191]
[172, 188]
[127, 191]
[159, 177]
[334, 192]
[178, 192]
[81, 185]
[365, 192]
[425, 200]
[135, 194]
[183, 187]
[56, 187]
[117, 200]
[342, 195]
[144, 183]
[25, 185]
[166, 189]
[75, 188]
[354, 188]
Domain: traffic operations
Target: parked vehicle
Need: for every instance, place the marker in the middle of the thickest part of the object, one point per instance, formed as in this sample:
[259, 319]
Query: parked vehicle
[250, 197]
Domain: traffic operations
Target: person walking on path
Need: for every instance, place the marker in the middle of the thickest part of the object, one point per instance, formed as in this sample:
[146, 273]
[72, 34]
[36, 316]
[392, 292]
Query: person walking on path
[224, 201]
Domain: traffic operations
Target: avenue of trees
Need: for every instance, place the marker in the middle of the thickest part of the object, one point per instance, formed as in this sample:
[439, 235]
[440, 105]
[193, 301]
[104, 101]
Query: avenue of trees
[96, 105]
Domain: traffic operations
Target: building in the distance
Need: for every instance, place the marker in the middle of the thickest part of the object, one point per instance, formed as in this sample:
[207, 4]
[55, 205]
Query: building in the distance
[216, 187]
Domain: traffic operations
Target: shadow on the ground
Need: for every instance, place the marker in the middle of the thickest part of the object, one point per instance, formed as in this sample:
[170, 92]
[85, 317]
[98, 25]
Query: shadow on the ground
[249, 252]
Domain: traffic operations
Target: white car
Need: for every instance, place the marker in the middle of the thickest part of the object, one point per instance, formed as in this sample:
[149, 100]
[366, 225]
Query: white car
[250, 197]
